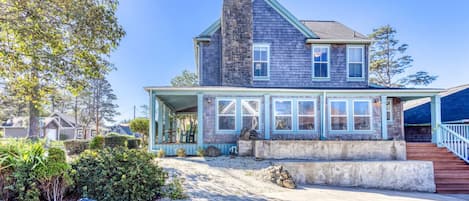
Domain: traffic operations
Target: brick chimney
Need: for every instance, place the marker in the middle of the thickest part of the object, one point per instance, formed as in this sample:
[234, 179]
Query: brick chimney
[236, 31]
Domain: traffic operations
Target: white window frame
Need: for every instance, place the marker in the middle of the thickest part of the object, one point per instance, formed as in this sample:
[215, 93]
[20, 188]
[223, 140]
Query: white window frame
[261, 45]
[370, 109]
[340, 115]
[218, 115]
[259, 116]
[362, 47]
[389, 108]
[328, 62]
[276, 115]
[304, 115]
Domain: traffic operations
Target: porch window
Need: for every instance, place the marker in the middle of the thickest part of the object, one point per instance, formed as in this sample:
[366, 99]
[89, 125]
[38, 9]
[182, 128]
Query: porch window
[306, 112]
[250, 113]
[389, 109]
[226, 114]
[320, 61]
[338, 115]
[362, 115]
[283, 114]
[261, 54]
[355, 61]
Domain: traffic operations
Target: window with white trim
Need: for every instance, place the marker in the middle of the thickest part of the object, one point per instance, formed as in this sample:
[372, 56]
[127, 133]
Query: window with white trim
[389, 109]
[260, 62]
[338, 115]
[250, 114]
[283, 114]
[361, 115]
[306, 114]
[355, 61]
[226, 114]
[320, 61]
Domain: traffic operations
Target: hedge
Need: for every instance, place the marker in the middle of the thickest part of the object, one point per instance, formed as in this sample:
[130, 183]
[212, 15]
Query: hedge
[76, 146]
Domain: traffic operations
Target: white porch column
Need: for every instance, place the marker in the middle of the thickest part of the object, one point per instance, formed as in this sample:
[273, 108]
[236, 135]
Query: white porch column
[436, 118]
[384, 119]
[151, 136]
[200, 120]
[267, 117]
[322, 135]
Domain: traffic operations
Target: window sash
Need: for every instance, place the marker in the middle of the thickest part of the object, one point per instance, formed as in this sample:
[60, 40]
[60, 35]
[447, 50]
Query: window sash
[369, 115]
[261, 48]
[244, 114]
[331, 116]
[314, 47]
[299, 115]
[218, 114]
[389, 109]
[276, 115]
[361, 62]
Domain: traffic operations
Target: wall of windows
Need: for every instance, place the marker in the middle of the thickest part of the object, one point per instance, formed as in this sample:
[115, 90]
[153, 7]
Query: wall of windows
[294, 114]
[350, 115]
[234, 114]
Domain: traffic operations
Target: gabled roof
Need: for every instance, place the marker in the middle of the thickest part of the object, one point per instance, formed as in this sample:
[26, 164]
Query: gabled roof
[333, 31]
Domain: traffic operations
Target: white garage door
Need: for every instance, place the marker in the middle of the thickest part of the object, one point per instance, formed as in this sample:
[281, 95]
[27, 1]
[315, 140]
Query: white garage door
[51, 134]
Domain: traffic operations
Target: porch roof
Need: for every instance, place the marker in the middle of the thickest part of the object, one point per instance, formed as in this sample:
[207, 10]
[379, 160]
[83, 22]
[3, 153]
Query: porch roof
[187, 94]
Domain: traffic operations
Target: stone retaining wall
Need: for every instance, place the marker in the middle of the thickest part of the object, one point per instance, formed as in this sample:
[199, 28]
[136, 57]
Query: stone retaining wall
[330, 150]
[392, 175]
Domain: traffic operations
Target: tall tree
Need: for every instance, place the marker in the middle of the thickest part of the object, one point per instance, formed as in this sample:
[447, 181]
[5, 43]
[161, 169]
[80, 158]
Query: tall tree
[51, 44]
[186, 79]
[389, 62]
[103, 97]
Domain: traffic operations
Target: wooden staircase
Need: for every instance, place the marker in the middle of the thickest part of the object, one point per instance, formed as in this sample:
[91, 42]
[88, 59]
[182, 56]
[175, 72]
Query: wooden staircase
[451, 173]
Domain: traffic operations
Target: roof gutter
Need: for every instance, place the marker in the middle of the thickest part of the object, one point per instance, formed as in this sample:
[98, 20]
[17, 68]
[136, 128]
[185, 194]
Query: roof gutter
[344, 41]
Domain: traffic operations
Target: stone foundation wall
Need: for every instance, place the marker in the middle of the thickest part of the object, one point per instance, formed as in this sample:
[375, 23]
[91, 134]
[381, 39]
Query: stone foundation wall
[392, 175]
[331, 150]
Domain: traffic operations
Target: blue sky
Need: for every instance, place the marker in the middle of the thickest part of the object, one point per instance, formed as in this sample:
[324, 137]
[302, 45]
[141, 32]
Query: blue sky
[158, 44]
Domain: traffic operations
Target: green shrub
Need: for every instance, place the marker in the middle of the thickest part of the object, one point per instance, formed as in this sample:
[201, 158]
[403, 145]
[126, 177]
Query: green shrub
[181, 152]
[160, 153]
[115, 141]
[76, 146]
[118, 174]
[97, 142]
[53, 176]
[174, 190]
[63, 136]
[200, 152]
[133, 143]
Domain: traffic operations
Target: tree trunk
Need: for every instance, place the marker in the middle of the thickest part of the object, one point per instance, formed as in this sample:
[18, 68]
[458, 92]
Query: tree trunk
[33, 131]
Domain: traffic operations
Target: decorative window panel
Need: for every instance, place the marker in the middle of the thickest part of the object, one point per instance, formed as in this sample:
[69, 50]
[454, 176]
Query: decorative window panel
[250, 114]
[226, 114]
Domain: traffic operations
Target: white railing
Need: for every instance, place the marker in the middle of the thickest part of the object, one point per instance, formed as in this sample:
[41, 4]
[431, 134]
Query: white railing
[461, 129]
[455, 142]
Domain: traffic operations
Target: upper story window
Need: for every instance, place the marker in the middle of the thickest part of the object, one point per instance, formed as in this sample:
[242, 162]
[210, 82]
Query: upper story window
[261, 61]
[355, 61]
[321, 59]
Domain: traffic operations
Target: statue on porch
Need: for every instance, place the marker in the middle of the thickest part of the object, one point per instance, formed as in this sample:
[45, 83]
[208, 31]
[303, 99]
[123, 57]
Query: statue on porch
[250, 133]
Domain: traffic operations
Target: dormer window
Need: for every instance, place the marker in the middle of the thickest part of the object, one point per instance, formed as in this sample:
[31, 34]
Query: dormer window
[355, 62]
[320, 61]
[261, 61]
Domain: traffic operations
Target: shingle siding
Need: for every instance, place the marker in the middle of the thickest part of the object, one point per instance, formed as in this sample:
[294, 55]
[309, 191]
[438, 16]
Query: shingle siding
[211, 61]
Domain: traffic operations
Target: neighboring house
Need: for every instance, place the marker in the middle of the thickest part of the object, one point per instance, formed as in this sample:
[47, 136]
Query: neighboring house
[57, 126]
[123, 129]
[454, 110]
[259, 67]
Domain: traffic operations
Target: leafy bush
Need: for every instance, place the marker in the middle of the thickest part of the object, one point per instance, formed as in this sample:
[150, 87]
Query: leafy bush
[200, 152]
[174, 190]
[53, 175]
[133, 143]
[160, 153]
[76, 146]
[181, 152]
[115, 141]
[97, 142]
[118, 174]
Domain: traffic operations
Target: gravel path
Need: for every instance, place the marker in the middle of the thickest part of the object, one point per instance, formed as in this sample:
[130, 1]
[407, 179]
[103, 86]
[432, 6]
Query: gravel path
[224, 178]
